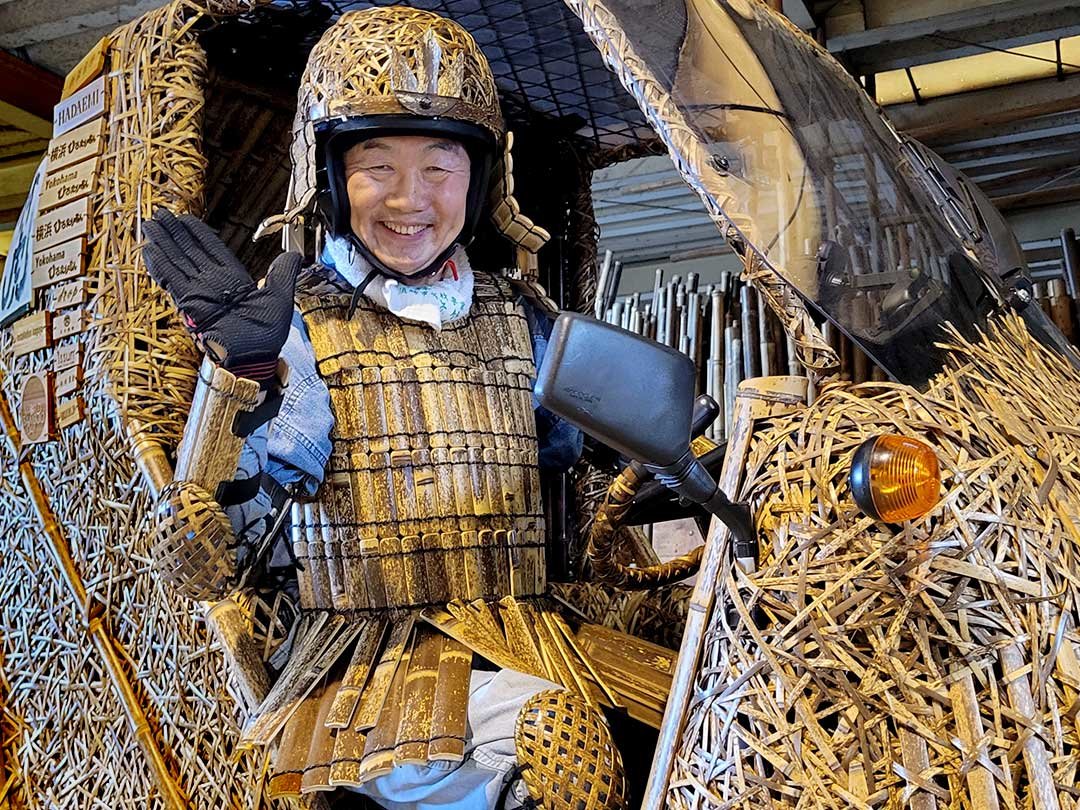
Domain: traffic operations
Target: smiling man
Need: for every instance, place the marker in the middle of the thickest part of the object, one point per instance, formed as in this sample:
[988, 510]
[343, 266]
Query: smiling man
[408, 437]
[407, 198]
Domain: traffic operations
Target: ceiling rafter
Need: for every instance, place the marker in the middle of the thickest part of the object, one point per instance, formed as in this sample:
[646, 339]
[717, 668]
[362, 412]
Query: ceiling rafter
[960, 33]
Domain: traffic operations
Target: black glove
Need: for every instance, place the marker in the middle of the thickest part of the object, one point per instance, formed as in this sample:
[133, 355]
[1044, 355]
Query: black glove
[239, 324]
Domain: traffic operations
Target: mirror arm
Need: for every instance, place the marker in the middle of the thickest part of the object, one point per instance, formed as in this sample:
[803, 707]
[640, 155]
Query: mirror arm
[688, 477]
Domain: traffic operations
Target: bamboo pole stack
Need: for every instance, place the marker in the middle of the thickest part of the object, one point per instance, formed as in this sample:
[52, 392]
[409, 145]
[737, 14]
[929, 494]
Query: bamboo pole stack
[1054, 299]
[726, 328]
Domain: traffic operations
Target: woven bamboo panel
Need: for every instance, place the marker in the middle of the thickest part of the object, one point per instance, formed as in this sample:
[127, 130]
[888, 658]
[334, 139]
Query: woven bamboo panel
[928, 665]
[74, 745]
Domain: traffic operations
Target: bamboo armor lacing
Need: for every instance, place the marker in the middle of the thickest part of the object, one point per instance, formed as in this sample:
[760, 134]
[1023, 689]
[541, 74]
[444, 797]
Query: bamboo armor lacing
[432, 490]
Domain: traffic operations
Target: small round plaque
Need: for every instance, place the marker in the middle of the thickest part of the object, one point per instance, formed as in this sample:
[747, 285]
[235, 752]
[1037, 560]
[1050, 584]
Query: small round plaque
[35, 405]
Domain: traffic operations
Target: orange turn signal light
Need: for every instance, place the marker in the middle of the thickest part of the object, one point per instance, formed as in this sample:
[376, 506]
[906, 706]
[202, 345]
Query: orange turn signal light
[895, 478]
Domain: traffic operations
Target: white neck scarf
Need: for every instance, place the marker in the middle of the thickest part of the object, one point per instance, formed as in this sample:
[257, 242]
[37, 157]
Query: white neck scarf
[438, 300]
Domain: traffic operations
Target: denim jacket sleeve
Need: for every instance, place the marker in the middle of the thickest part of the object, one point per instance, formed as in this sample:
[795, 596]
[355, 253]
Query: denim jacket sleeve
[560, 442]
[294, 446]
[298, 438]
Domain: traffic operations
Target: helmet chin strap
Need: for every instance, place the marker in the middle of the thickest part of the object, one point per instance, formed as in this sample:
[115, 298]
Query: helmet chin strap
[436, 265]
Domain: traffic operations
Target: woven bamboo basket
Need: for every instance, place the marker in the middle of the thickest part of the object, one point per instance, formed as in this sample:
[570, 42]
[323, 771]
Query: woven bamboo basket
[928, 665]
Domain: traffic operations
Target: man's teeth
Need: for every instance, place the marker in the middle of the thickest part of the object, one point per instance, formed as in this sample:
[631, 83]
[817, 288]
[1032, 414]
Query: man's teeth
[404, 230]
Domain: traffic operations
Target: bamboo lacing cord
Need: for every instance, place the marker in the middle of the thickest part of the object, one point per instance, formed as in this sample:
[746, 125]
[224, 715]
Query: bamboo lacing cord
[92, 613]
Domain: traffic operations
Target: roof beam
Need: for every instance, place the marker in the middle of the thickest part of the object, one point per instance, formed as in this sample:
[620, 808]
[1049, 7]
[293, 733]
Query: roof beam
[29, 146]
[1025, 169]
[16, 175]
[1034, 179]
[962, 33]
[1018, 130]
[26, 24]
[968, 112]
[27, 95]
[1040, 198]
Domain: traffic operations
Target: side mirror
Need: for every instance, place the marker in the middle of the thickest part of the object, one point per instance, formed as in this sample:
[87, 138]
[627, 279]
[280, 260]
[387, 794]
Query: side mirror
[631, 393]
[637, 396]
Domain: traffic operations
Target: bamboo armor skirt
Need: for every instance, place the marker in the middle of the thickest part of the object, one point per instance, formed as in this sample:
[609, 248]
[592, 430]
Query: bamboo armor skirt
[432, 491]
[363, 693]
[425, 546]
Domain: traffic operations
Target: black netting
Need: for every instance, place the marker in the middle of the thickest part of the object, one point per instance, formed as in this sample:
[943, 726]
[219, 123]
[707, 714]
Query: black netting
[544, 64]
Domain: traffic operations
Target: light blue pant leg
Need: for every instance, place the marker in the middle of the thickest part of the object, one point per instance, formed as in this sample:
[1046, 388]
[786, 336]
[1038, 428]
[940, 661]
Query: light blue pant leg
[495, 699]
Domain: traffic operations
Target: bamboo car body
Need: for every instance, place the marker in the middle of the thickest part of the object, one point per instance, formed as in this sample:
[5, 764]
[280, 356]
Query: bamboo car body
[928, 665]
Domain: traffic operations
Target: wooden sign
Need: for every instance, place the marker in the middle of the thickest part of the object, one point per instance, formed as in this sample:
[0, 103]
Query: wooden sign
[66, 324]
[62, 224]
[67, 184]
[58, 263]
[81, 143]
[80, 107]
[89, 68]
[70, 411]
[31, 333]
[68, 355]
[68, 380]
[69, 295]
[36, 409]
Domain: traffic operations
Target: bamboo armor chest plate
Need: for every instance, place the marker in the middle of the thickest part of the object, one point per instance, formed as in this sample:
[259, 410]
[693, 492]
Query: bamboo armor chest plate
[432, 490]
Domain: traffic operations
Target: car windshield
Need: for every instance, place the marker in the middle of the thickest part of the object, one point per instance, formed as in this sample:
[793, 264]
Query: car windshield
[794, 162]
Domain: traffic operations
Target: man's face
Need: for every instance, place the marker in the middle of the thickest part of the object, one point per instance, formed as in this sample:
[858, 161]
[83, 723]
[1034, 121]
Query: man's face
[407, 197]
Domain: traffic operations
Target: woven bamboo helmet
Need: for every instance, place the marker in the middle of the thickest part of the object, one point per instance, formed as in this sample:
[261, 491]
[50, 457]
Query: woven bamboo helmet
[398, 70]
[392, 71]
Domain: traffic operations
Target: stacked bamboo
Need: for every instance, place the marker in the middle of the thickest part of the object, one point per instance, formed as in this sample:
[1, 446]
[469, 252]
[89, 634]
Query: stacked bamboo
[1053, 297]
[726, 328]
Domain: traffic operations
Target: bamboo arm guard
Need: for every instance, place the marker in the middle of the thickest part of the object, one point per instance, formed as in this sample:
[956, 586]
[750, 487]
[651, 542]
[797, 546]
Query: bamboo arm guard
[210, 449]
[195, 547]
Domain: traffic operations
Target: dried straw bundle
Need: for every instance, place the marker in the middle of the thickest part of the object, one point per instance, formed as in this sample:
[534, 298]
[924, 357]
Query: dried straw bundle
[928, 665]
